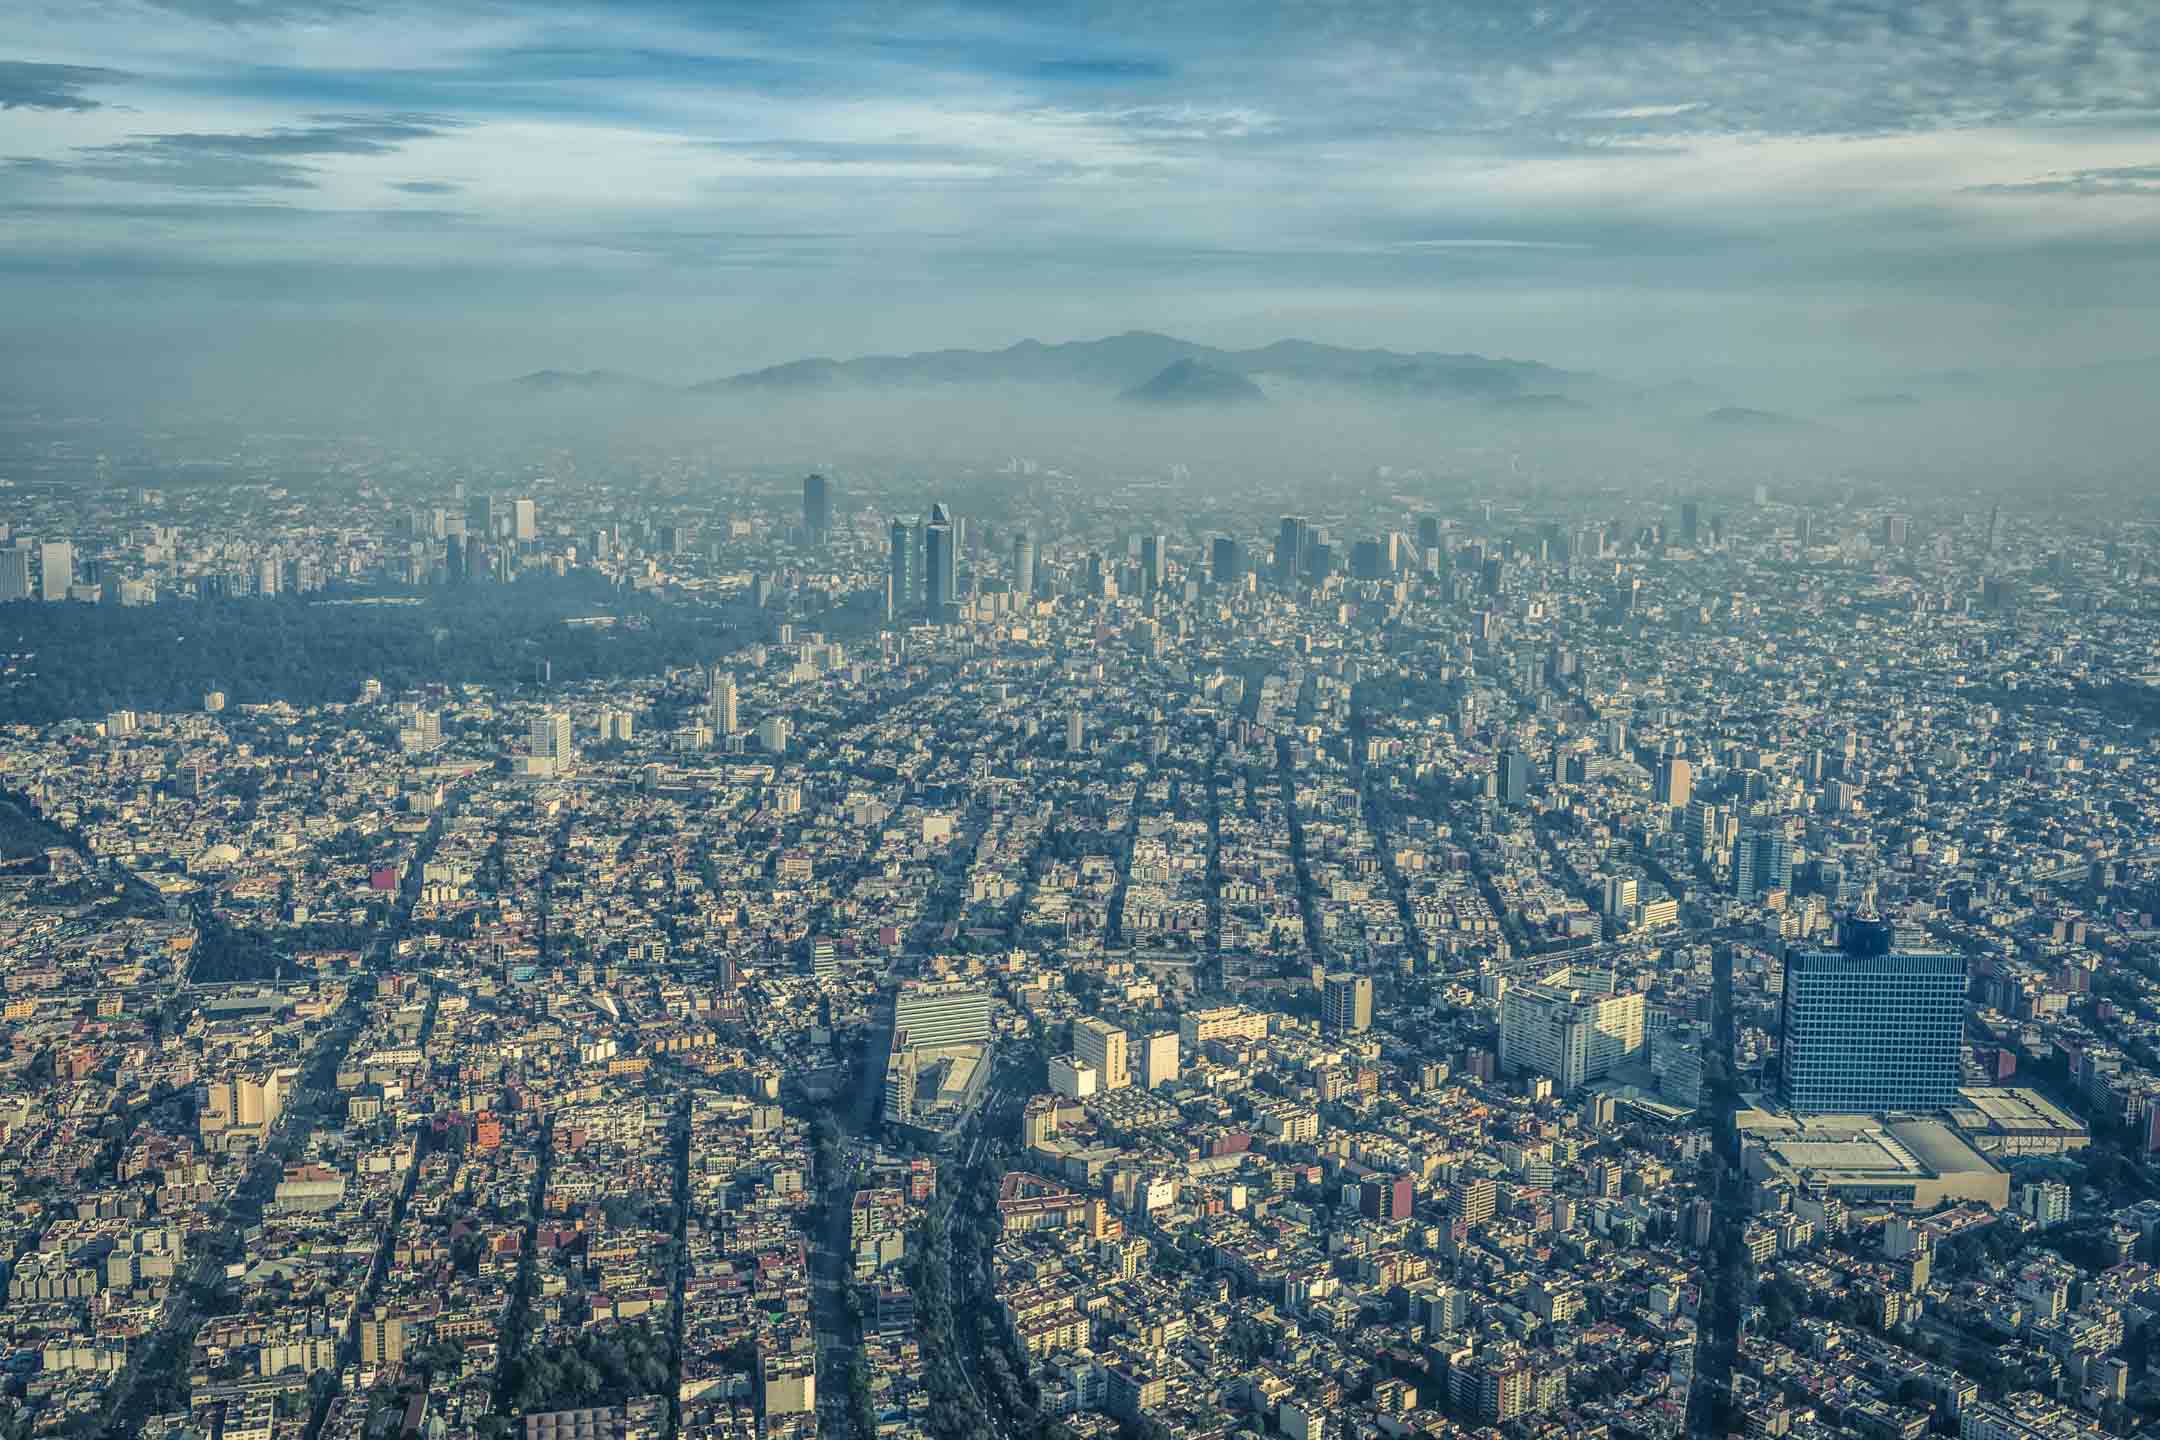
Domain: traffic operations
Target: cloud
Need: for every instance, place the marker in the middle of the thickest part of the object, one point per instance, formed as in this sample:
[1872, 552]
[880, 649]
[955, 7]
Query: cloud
[262, 160]
[2137, 180]
[426, 187]
[25, 85]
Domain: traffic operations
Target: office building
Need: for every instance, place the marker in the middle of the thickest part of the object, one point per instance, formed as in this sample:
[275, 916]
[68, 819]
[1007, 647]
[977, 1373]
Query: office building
[1690, 522]
[524, 522]
[56, 569]
[724, 704]
[1159, 1060]
[1570, 1026]
[551, 739]
[382, 1341]
[1153, 560]
[1024, 565]
[929, 1016]
[773, 734]
[15, 572]
[906, 580]
[1103, 1046]
[1346, 1002]
[941, 579]
[1293, 549]
[1075, 732]
[1226, 562]
[1868, 1028]
[1514, 778]
[1762, 863]
[816, 506]
[1675, 783]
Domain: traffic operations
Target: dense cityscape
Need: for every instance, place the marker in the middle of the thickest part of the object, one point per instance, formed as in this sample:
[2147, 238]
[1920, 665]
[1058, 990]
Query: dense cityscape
[1036, 951]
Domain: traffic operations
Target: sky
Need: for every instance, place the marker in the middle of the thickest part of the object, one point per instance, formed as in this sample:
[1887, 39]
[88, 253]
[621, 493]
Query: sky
[1759, 192]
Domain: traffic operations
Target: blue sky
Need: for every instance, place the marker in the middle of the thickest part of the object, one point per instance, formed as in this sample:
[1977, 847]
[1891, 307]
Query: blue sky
[1769, 188]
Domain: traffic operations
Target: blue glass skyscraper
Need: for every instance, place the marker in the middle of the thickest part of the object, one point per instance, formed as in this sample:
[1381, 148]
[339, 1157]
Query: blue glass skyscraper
[1868, 1028]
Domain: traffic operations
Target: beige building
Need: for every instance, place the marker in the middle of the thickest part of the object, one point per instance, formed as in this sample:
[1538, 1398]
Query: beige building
[1103, 1047]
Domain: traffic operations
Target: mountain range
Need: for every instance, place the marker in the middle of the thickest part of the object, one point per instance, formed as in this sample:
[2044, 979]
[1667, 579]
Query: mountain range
[1145, 368]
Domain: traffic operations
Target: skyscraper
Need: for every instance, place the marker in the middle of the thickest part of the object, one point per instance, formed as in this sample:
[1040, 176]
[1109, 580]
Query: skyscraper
[1762, 862]
[1346, 1002]
[907, 573]
[15, 572]
[816, 506]
[56, 569]
[1514, 778]
[1024, 565]
[722, 703]
[1226, 562]
[1293, 549]
[551, 738]
[1690, 521]
[524, 522]
[1152, 562]
[1868, 1028]
[1675, 782]
[941, 590]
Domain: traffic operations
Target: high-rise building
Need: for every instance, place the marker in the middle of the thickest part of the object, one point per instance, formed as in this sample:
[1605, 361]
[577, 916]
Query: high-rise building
[1153, 562]
[941, 579]
[1895, 530]
[907, 568]
[1994, 533]
[1159, 1059]
[1024, 565]
[524, 521]
[1762, 862]
[551, 738]
[1075, 732]
[1346, 1002]
[1690, 521]
[15, 572]
[1226, 562]
[928, 1016]
[382, 1341]
[1870, 1028]
[1293, 549]
[1570, 1026]
[1514, 778]
[816, 506]
[1428, 533]
[56, 569]
[723, 703]
[773, 734]
[1103, 1046]
[1675, 782]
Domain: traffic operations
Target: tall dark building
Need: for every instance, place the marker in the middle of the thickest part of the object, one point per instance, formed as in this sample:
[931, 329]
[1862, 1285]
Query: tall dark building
[1293, 549]
[1428, 533]
[1024, 564]
[907, 571]
[1153, 562]
[1514, 778]
[1871, 1028]
[1368, 561]
[816, 506]
[1762, 862]
[941, 579]
[1690, 522]
[1226, 561]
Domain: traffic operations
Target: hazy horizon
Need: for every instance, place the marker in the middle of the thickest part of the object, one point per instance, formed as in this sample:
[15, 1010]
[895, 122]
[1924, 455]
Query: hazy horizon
[207, 194]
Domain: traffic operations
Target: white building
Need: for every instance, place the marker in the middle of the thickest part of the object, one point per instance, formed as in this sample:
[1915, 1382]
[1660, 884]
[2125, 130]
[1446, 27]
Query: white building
[1571, 1027]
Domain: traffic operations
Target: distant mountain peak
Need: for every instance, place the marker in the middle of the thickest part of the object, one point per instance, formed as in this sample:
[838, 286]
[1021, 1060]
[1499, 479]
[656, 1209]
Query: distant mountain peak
[1190, 382]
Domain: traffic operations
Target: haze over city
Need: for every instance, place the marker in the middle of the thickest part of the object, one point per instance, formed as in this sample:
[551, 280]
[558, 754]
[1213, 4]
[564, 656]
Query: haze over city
[1101, 721]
